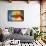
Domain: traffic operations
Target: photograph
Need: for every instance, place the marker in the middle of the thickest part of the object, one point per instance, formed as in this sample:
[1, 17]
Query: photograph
[23, 23]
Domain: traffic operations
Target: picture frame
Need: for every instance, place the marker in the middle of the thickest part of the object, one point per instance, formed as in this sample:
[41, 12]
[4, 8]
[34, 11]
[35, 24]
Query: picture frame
[15, 15]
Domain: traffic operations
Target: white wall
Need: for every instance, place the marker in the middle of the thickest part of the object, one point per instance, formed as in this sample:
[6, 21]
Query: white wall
[31, 14]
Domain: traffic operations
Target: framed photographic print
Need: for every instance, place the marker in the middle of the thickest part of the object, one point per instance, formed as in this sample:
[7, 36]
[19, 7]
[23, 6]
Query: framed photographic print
[15, 15]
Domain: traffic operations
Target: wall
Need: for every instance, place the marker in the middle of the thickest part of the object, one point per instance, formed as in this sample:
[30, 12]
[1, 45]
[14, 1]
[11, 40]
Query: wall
[31, 14]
